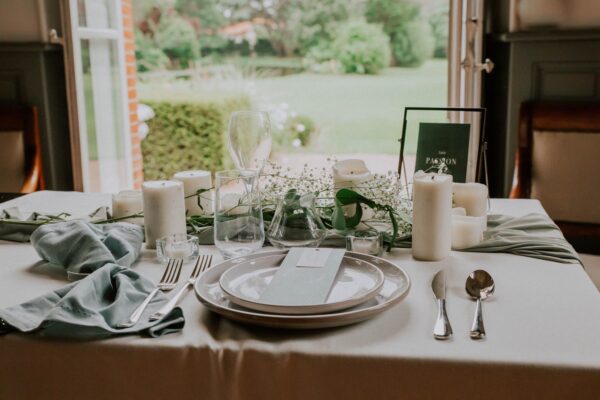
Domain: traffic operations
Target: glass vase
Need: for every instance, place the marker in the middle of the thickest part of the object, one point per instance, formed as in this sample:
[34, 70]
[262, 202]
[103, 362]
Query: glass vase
[296, 222]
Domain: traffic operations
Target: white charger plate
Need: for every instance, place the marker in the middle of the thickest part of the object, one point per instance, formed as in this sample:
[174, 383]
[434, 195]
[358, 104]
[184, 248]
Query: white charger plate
[357, 281]
[396, 286]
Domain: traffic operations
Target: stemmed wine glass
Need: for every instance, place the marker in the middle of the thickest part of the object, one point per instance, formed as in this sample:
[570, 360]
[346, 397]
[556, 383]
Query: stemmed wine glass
[250, 139]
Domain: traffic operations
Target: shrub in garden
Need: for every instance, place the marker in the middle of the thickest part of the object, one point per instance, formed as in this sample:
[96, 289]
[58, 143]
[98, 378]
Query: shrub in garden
[361, 47]
[391, 14]
[439, 26]
[301, 128]
[413, 43]
[188, 136]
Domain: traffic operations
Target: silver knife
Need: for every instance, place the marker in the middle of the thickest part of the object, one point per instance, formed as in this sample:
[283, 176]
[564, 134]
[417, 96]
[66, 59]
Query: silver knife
[442, 329]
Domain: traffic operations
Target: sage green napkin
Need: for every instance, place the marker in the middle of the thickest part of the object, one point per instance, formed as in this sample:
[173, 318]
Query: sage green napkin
[92, 307]
[106, 296]
[82, 247]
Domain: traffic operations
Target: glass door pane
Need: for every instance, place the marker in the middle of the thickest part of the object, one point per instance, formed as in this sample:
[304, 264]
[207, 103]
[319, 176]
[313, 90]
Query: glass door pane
[104, 115]
[104, 133]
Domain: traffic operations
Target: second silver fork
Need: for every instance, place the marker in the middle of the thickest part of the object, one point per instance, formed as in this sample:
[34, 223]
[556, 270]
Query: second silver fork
[167, 282]
[202, 264]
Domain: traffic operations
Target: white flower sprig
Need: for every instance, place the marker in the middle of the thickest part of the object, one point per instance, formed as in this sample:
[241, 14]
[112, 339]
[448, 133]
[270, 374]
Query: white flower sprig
[384, 189]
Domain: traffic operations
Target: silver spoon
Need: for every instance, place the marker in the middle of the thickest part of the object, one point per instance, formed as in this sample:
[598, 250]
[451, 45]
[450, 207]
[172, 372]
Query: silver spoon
[479, 286]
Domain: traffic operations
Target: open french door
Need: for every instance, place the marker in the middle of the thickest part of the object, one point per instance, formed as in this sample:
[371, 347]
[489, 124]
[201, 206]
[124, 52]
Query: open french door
[465, 65]
[99, 118]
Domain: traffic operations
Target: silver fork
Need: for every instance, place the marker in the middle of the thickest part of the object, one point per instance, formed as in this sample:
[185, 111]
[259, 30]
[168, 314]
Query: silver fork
[202, 264]
[167, 282]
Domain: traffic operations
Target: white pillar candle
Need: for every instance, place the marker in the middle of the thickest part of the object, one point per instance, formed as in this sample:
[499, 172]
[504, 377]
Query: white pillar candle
[459, 211]
[473, 197]
[432, 211]
[466, 231]
[192, 182]
[128, 202]
[351, 174]
[164, 210]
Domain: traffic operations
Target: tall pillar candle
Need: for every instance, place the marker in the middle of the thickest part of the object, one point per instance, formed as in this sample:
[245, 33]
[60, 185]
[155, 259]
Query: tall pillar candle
[473, 197]
[192, 182]
[164, 210]
[128, 202]
[432, 212]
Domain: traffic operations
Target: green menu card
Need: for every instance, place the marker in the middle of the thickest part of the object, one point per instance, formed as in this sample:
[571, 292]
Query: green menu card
[444, 147]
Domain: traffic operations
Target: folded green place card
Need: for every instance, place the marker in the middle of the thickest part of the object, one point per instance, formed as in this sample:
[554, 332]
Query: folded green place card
[305, 277]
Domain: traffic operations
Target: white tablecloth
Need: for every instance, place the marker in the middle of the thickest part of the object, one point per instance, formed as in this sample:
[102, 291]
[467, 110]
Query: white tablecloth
[543, 341]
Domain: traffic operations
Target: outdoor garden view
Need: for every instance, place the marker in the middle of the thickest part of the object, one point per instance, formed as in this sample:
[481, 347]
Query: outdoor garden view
[335, 75]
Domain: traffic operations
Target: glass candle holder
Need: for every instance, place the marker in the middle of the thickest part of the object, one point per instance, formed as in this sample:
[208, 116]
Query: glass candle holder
[366, 242]
[178, 245]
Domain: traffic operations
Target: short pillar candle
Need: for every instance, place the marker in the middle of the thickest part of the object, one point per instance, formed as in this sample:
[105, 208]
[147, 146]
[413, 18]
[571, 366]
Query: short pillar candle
[192, 182]
[128, 202]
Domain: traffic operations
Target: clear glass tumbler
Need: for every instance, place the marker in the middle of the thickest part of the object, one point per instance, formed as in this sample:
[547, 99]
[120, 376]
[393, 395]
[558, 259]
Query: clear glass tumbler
[238, 227]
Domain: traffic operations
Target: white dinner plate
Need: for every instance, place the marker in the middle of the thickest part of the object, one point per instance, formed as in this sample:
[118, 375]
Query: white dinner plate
[395, 287]
[357, 281]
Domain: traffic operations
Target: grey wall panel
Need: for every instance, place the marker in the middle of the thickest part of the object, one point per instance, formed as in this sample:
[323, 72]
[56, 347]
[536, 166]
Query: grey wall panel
[548, 66]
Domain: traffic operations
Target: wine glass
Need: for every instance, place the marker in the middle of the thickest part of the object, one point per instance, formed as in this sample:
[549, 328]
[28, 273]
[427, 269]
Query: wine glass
[250, 139]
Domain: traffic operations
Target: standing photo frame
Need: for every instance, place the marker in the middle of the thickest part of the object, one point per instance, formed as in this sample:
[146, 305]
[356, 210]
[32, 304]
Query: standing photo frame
[444, 139]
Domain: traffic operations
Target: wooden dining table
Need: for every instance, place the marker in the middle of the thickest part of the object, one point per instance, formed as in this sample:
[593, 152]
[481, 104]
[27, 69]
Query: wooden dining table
[543, 337]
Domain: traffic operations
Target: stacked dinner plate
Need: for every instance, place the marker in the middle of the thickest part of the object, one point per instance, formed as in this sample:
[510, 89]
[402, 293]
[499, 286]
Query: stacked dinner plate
[364, 287]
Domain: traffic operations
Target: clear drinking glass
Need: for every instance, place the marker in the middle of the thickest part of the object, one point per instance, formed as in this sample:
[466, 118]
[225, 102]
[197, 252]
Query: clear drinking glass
[250, 139]
[238, 228]
[296, 222]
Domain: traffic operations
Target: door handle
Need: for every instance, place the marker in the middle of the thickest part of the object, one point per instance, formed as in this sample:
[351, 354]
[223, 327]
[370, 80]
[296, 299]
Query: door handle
[54, 38]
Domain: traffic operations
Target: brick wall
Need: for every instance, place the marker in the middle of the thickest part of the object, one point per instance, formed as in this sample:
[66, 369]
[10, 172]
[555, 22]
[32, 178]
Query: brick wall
[138, 176]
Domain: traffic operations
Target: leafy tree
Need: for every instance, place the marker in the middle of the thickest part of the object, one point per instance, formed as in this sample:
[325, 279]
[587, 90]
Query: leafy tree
[391, 14]
[177, 39]
[319, 20]
[208, 13]
[293, 26]
[148, 56]
[361, 47]
[410, 35]
[439, 26]
[413, 43]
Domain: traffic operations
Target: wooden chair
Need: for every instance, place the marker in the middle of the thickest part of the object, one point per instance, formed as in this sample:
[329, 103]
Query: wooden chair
[558, 162]
[20, 143]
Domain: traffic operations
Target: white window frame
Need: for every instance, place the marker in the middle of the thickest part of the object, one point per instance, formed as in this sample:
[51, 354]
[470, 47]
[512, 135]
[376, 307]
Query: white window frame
[79, 142]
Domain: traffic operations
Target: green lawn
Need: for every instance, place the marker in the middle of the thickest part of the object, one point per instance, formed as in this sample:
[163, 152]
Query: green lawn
[359, 113]
[355, 113]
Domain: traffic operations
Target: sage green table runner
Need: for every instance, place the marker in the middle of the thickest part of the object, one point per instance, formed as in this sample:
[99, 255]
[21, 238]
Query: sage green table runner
[532, 235]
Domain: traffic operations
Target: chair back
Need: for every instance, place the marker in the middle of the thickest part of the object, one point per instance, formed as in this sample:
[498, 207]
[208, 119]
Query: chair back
[558, 163]
[20, 150]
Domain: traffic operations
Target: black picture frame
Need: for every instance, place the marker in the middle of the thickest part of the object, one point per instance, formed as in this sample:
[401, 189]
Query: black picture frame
[481, 162]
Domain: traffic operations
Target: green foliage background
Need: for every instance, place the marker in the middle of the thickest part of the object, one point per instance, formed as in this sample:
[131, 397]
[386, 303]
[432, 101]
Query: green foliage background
[413, 43]
[361, 47]
[187, 136]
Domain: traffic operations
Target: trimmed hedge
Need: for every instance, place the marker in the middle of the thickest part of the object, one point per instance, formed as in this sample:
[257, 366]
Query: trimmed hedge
[186, 136]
